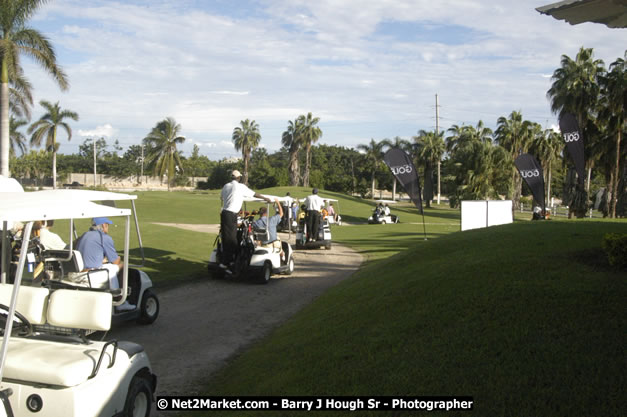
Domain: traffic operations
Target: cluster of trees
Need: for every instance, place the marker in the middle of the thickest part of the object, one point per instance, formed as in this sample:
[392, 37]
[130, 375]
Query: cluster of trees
[471, 162]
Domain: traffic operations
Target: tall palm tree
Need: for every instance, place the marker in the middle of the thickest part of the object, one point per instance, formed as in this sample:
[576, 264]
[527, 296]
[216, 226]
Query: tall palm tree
[374, 155]
[162, 141]
[292, 140]
[18, 140]
[47, 126]
[430, 148]
[246, 138]
[575, 89]
[17, 39]
[512, 133]
[400, 144]
[310, 134]
[614, 103]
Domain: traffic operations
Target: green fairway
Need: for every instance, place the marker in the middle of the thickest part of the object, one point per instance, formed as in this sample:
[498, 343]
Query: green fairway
[527, 318]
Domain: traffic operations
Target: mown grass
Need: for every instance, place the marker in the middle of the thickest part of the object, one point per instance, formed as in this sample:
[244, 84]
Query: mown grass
[527, 318]
[174, 255]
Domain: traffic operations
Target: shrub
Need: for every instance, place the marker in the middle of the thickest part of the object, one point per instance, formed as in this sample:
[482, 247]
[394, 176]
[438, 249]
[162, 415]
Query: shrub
[615, 247]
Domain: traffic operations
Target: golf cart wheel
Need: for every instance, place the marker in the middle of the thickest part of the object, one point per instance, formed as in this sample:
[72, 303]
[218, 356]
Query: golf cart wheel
[328, 246]
[382, 221]
[149, 309]
[266, 272]
[139, 398]
[290, 266]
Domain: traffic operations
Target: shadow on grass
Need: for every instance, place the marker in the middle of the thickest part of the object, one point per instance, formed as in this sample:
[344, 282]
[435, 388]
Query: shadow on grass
[166, 269]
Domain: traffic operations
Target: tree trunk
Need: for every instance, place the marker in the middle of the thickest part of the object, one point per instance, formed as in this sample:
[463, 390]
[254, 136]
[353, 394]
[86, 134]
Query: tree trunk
[307, 165]
[54, 169]
[548, 188]
[54, 159]
[439, 164]
[293, 169]
[245, 175]
[616, 177]
[394, 190]
[4, 122]
[372, 189]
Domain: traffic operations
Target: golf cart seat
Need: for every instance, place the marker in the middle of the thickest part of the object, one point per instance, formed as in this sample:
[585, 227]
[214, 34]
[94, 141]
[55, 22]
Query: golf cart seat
[59, 363]
[32, 302]
[72, 269]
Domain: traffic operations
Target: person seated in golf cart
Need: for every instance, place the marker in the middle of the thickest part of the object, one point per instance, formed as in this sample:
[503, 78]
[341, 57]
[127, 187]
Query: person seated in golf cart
[265, 227]
[98, 252]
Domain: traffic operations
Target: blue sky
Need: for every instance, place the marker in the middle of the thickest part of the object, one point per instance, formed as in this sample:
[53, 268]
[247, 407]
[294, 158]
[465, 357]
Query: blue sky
[370, 69]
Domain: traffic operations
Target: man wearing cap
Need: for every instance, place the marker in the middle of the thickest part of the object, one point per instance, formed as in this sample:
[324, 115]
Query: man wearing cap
[232, 196]
[269, 224]
[313, 204]
[98, 251]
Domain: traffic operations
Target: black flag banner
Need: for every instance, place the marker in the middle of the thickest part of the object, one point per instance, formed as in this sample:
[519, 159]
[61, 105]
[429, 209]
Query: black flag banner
[405, 172]
[574, 142]
[531, 171]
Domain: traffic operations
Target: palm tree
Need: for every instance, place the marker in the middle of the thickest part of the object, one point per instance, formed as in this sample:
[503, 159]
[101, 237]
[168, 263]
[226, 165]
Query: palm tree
[47, 126]
[16, 39]
[162, 141]
[512, 133]
[374, 155]
[246, 137]
[20, 96]
[575, 88]
[291, 139]
[396, 143]
[310, 133]
[614, 103]
[430, 149]
[18, 140]
[548, 147]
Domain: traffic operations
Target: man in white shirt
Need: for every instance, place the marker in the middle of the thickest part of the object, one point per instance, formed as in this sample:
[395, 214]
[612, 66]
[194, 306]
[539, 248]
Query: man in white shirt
[232, 196]
[313, 205]
[48, 239]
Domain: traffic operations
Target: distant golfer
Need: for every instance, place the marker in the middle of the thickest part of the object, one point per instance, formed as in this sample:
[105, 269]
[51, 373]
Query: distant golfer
[313, 204]
[233, 194]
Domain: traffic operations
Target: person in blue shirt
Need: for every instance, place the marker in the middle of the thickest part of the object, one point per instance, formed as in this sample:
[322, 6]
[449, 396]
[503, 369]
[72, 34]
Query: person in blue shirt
[98, 252]
[270, 224]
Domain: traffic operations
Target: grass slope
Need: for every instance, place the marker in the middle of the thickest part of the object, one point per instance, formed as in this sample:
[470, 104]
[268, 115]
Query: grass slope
[527, 318]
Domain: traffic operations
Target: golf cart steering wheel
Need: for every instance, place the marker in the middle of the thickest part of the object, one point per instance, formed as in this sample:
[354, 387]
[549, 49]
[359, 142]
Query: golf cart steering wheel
[23, 328]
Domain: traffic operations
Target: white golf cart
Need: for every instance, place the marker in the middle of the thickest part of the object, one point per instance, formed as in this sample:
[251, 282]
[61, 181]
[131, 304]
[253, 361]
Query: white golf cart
[64, 374]
[64, 268]
[253, 260]
[323, 236]
[382, 216]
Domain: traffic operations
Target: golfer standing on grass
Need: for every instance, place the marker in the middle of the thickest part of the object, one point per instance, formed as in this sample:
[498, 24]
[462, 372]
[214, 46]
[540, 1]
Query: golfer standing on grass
[233, 194]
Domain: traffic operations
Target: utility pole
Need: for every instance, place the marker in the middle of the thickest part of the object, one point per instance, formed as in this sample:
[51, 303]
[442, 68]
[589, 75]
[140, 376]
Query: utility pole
[95, 185]
[437, 132]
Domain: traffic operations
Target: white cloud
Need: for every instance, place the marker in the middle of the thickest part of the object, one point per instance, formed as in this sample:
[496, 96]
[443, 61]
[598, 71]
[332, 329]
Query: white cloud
[133, 65]
[106, 131]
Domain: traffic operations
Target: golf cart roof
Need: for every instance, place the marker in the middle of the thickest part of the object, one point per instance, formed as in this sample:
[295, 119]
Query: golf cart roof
[386, 201]
[85, 195]
[10, 185]
[23, 208]
[272, 197]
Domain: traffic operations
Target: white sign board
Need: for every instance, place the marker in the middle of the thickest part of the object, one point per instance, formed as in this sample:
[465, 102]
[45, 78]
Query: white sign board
[474, 214]
[499, 212]
[483, 213]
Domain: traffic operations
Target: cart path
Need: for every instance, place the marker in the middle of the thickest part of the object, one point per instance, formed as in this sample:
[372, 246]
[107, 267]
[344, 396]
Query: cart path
[202, 325]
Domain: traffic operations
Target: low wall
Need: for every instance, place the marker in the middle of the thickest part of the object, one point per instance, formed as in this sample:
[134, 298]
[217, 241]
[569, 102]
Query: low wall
[136, 181]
